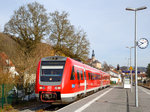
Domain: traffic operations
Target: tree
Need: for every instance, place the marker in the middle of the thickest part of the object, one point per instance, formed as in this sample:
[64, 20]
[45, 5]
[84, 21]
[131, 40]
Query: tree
[26, 65]
[66, 40]
[148, 70]
[105, 67]
[118, 67]
[80, 45]
[61, 29]
[30, 24]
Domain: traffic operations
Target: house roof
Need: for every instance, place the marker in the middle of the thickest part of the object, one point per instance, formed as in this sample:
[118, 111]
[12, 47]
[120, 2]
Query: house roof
[91, 61]
[113, 76]
[114, 71]
[141, 75]
[96, 61]
[4, 60]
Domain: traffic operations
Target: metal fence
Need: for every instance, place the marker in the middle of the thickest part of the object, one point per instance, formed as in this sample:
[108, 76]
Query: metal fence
[7, 94]
[11, 94]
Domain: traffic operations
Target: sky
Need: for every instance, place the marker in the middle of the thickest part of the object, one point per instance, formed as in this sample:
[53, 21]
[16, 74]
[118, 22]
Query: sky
[109, 27]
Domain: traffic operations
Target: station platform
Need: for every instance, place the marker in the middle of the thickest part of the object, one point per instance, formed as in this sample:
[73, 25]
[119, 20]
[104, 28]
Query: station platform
[112, 99]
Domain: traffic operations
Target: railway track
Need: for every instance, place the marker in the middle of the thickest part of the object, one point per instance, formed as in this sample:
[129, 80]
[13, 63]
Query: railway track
[42, 108]
[48, 107]
[52, 108]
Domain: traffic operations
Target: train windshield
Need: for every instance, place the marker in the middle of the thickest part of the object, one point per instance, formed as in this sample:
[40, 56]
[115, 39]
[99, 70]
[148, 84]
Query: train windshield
[51, 72]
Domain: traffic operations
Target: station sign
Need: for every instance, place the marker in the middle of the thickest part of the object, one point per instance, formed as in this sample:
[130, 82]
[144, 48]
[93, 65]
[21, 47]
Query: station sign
[130, 68]
[129, 71]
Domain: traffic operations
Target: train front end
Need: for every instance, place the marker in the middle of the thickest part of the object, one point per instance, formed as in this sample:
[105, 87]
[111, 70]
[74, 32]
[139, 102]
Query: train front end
[49, 78]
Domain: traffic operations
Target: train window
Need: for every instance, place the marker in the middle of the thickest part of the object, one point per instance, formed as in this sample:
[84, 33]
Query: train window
[78, 75]
[99, 77]
[96, 77]
[51, 75]
[85, 74]
[81, 75]
[72, 74]
[93, 76]
[89, 76]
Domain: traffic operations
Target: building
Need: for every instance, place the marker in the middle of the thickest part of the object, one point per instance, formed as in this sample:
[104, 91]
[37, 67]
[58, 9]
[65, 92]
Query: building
[6, 65]
[115, 76]
[142, 77]
[93, 62]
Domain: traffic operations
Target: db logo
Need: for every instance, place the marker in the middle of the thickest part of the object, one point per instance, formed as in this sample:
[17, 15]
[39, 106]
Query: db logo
[49, 88]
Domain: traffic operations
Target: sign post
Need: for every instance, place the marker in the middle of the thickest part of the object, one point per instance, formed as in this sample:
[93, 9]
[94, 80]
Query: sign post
[131, 76]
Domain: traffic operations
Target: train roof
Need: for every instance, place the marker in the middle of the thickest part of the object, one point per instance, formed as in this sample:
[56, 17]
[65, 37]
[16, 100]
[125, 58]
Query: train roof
[62, 58]
[86, 66]
[54, 58]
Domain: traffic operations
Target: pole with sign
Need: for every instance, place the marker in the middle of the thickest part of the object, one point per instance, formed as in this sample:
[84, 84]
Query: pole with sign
[131, 75]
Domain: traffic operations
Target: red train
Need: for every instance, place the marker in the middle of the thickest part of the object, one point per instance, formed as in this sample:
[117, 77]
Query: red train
[62, 79]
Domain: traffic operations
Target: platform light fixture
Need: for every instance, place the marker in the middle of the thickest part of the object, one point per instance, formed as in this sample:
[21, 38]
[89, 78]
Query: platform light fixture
[135, 52]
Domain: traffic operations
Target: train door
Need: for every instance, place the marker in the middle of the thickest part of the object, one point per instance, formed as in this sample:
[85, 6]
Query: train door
[85, 85]
[82, 80]
[73, 79]
[104, 81]
[101, 79]
[78, 79]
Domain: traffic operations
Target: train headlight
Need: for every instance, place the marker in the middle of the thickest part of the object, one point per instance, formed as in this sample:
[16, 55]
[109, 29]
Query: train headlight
[59, 87]
[55, 87]
[41, 87]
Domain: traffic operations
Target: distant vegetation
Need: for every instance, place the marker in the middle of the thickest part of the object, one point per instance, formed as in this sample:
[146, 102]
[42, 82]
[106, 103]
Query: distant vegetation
[148, 70]
[141, 69]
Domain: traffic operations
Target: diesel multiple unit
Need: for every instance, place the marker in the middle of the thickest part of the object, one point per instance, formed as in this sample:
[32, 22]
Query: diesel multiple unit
[62, 79]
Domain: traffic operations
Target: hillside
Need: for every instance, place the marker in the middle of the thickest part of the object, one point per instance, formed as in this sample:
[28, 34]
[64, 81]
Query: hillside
[8, 45]
[15, 53]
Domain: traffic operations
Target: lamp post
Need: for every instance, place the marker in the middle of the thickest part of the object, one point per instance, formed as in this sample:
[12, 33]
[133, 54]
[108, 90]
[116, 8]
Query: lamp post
[135, 53]
[130, 66]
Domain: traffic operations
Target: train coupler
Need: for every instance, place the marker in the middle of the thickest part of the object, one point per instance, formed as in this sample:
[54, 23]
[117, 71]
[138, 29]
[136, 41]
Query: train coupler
[48, 96]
